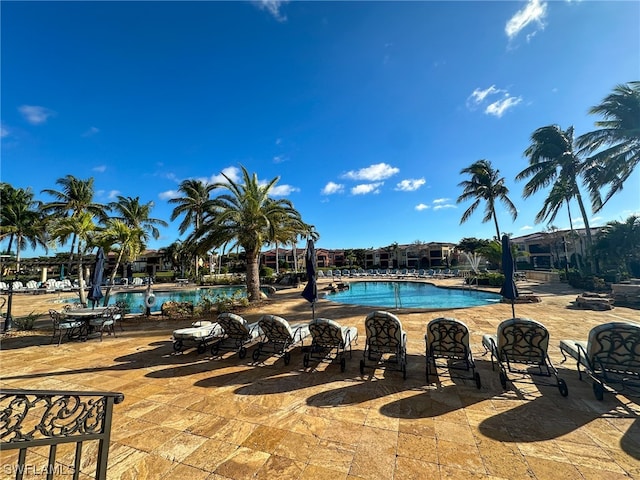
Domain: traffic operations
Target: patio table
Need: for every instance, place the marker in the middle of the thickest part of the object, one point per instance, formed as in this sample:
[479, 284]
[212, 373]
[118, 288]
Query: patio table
[85, 315]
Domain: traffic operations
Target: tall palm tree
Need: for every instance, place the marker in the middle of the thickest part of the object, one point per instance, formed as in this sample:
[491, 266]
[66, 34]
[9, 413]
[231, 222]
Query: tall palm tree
[553, 161]
[82, 226]
[194, 205]
[485, 184]
[128, 243]
[21, 220]
[617, 141]
[136, 215]
[248, 216]
[74, 198]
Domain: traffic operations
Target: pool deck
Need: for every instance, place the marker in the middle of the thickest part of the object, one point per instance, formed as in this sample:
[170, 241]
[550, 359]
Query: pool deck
[198, 417]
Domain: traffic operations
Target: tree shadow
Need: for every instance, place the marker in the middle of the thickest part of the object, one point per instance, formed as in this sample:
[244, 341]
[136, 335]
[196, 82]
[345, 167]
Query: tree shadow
[161, 355]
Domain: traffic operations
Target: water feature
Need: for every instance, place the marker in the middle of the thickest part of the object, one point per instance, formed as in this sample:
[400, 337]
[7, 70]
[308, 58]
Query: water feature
[411, 295]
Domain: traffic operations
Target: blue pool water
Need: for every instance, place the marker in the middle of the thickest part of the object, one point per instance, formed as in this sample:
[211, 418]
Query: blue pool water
[135, 300]
[411, 295]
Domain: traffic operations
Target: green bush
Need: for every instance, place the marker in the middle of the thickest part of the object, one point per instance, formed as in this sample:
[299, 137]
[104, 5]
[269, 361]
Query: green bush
[25, 323]
[266, 272]
[490, 279]
[590, 283]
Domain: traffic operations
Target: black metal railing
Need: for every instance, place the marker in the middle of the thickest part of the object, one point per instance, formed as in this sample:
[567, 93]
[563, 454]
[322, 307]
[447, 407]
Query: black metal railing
[37, 418]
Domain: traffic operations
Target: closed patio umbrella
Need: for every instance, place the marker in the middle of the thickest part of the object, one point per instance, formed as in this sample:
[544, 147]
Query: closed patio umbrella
[310, 292]
[95, 292]
[509, 289]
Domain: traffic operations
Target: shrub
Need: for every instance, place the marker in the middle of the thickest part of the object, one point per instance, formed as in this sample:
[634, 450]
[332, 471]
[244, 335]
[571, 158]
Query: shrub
[587, 282]
[266, 271]
[25, 323]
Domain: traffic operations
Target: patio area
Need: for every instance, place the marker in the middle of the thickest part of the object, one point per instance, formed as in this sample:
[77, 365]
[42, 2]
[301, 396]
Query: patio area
[199, 417]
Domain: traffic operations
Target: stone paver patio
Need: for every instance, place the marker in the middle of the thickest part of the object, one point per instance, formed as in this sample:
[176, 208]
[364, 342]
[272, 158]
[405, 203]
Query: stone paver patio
[198, 417]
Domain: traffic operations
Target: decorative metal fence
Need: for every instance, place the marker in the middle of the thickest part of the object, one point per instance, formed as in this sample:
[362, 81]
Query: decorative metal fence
[30, 419]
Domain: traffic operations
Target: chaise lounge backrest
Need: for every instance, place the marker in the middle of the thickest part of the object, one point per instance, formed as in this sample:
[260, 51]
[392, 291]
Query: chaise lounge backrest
[448, 337]
[276, 328]
[327, 333]
[615, 346]
[523, 340]
[384, 331]
[234, 326]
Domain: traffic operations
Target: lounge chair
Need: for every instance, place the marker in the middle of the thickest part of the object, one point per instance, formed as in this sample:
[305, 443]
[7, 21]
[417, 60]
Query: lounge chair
[384, 336]
[327, 335]
[4, 287]
[236, 334]
[525, 342]
[64, 327]
[137, 282]
[610, 356]
[200, 333]
[449, 338]
[31, 287]
[280, 336]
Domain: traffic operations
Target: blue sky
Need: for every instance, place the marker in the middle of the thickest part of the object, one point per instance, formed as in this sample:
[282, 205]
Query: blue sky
[367, 111]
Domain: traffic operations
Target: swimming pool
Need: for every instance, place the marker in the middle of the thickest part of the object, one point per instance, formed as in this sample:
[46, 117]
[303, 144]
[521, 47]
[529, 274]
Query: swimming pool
[411, 295]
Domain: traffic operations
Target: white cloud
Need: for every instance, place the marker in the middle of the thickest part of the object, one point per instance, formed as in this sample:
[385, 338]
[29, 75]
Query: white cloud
[410, 185]
[279, 159]
[99, 168]
[92, 131]
[498, 108]
[232, 172]
[533, 11]
[34, 114]
[421, 206]
[527, 227]
[379, 171]
[331, 188]
[113, 194]
[366, 188]
[169, 194]
[478, 96]
[440, 200]
[283, 190]
[444, 205]
[273, 7]
[4, 132]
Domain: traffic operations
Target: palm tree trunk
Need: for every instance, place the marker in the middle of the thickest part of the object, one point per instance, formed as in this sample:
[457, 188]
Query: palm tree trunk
[74, 240]
[112, 278]
[585, 217]
[277, 262]
[253, 277]
[495, 220]
[82, 293]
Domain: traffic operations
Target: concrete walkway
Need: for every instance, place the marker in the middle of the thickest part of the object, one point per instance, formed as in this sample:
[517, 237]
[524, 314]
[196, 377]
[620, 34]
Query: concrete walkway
[199, 417]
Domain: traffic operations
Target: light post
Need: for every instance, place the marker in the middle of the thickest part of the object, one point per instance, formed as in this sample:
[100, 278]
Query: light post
[8, 319]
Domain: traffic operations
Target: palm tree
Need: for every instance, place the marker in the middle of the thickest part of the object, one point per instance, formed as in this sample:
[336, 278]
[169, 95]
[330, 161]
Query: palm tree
[83, 228]
[617, 142]
[137, 215]
[74, 198]
[618, 245]
[247, 216]
[553, 161]
[195, 204]
[21, 220]
[486, 185]
[128, 240]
